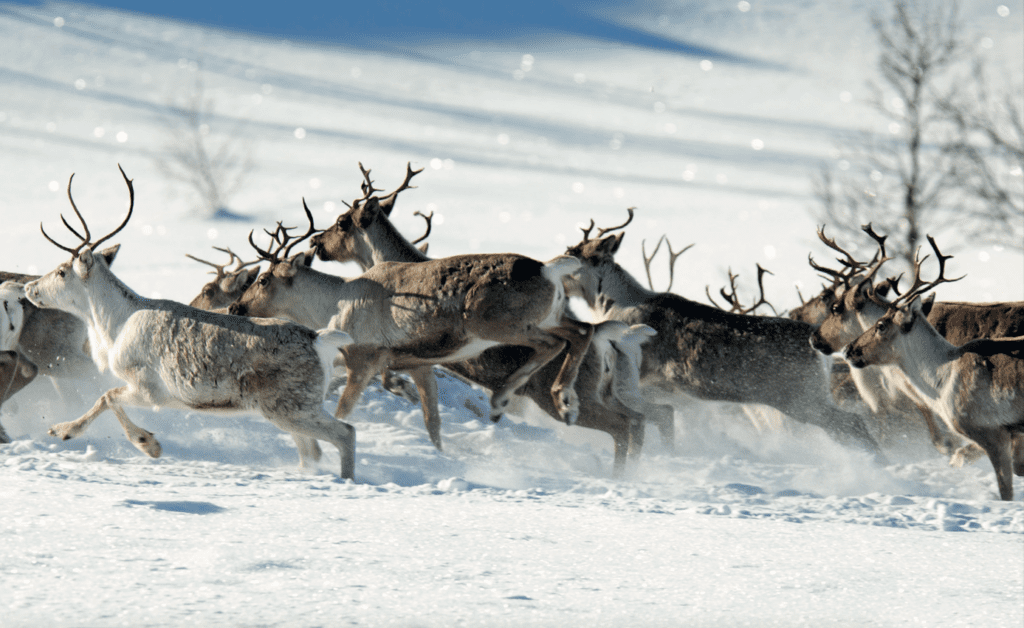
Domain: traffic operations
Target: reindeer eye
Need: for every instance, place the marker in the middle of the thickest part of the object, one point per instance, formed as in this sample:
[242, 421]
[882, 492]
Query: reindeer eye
[60, 273]
[881, 326]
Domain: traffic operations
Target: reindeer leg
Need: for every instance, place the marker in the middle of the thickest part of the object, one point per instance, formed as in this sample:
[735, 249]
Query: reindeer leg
[1017, 444]
[397, 386]
[545, 347]
[426, 384]
[309, 450]
[997, 443]
[662, 416]
[360, 367]
[578, 335]
[143, 440]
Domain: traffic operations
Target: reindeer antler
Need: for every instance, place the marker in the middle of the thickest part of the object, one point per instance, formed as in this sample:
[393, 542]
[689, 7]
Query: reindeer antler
[284, 241]
[429, 220]
[85, 239]
[221, 271]
[673, 256]
[733, 299]
[919, 286]
[388, 202]
[601, 232]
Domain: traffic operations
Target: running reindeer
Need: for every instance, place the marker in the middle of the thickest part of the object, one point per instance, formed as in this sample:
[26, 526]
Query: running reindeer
[714, 355]
[175, 356]
[976, 388]
[857, 306]
[227, 286]
[411, 316]
[366, 235]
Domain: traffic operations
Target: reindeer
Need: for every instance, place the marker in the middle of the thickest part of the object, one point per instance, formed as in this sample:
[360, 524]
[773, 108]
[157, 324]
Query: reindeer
[54, 341]
[366, 235]
[709, 354]
[976, 388]
[15, 371]
[856, 308]
[412, 316]
[227, 286]
[176, 356]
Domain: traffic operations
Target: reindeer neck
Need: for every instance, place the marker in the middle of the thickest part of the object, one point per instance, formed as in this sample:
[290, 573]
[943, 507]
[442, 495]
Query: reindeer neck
[388, 245]
[318, 295]
[926, 358]
[110, 304]
[618, 287]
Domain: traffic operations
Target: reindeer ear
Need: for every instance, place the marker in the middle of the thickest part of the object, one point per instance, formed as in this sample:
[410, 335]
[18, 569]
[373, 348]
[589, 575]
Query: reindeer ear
[860, 294]
[83, 263]
[610, 245]
[368, 212]
[235, 281]
[927, 303]
[108, 254]
[883, 289]
[292, 266]
[906, 317]
[423, 247]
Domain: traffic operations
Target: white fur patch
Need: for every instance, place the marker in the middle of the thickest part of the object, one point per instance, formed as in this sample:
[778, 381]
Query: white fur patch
[12, 314]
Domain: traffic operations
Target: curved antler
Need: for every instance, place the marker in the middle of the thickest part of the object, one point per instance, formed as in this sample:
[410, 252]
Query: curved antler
[388, 202]
[429, 220]
[919, 286]
[284, 241]
[85, 239]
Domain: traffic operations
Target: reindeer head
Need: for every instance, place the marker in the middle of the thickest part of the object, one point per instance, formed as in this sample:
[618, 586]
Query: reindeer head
[263, 297]
[885, 341]
[347, 240]
[66, 287]
[853, 297]
[597, 255]
[227, 286]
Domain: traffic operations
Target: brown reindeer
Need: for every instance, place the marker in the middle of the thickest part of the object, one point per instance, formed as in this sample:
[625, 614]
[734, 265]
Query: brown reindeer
[709, 354]
[365, 235]
[976, 388]
[228, 285]
[411, 316]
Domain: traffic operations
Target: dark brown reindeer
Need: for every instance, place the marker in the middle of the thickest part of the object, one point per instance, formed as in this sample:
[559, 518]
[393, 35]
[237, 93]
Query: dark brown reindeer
[365, 235]
[976, 388]
[411, 316]
[175, 356]
[857, 307]
[709, 354]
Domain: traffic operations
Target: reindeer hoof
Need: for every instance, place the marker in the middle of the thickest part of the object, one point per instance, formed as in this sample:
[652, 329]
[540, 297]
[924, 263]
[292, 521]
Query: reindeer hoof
[568, 406]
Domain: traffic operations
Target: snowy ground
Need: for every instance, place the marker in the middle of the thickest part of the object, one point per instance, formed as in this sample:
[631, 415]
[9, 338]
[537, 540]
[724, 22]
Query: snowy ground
[517, 523]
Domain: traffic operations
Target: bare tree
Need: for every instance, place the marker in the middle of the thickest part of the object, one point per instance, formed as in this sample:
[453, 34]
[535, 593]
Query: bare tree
[213, 165]
[900, 183]
[988, 159]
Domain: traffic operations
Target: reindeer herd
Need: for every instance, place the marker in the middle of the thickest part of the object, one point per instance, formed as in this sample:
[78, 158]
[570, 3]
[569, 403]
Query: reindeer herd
[267, 341]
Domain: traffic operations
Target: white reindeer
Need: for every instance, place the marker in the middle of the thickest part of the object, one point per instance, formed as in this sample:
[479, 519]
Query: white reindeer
[977, 388]
[176, 356]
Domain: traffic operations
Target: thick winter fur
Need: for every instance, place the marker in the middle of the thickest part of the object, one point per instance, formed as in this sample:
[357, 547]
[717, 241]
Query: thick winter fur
[173, 355]
[410, 316]
[978, 395]
[710, 354]
[366, 235]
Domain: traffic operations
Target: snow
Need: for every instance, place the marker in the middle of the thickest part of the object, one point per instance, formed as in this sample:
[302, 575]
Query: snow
[519, 522]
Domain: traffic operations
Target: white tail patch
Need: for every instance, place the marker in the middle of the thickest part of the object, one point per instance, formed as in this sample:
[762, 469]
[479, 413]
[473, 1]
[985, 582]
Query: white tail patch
[12, 314]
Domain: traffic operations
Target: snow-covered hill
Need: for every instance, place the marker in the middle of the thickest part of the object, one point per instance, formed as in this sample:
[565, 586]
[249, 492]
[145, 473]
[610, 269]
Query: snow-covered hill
[516, 523]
